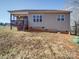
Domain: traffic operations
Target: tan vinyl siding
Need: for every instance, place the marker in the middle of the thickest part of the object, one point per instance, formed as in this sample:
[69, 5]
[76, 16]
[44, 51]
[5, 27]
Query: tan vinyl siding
[50, 22]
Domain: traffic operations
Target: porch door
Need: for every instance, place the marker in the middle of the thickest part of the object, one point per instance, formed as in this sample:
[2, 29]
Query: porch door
[25, 27]
[20, 24]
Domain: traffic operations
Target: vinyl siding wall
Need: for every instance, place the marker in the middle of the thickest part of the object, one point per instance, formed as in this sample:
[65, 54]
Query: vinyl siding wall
[50, 22]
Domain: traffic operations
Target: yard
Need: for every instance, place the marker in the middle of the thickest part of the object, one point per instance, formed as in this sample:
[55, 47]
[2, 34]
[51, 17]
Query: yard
[36, 45]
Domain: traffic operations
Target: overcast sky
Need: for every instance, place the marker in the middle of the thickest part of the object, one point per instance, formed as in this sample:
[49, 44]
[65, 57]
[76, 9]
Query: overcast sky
[6, 5]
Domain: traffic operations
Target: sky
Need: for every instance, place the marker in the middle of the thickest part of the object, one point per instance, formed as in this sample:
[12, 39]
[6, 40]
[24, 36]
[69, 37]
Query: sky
[6, 5]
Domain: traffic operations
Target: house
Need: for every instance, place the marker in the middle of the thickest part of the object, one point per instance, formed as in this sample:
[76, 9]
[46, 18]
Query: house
[41, 20]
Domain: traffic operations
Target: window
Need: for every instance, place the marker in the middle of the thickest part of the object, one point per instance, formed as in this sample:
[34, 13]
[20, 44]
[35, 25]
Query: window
[37, 18]
[34, 18]
[40, 18]
[60, 18]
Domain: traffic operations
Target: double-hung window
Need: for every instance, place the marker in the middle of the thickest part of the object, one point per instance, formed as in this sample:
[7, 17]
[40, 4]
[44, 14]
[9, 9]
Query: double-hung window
[34, 18]
[37, 18]
[40, 18]
[60, 17]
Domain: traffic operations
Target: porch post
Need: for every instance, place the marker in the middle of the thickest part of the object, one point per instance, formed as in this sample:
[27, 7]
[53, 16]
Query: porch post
[11, 21]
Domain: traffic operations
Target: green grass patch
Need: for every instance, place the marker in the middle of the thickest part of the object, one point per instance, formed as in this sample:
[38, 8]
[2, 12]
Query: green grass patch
[76, 40]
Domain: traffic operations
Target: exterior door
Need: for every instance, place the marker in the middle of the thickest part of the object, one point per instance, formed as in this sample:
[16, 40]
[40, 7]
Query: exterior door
[20, 24]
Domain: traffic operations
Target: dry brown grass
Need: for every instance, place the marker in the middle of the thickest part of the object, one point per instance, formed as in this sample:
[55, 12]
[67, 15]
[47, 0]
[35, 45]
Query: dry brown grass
[36, 45]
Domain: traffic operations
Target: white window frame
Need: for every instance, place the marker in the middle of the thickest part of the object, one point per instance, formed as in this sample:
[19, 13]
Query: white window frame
[59, 17]
[37, 17]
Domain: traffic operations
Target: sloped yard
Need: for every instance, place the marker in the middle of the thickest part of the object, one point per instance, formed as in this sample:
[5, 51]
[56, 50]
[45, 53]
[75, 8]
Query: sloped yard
[37, 45]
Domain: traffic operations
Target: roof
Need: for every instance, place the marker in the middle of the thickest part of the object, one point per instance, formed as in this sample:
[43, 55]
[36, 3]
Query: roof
[30, 10]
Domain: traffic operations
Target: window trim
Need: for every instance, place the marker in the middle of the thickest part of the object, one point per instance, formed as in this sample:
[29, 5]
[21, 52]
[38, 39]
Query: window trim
[40, 18]
[34, 18]
[62, 18]
[37, 18]
[59, 16]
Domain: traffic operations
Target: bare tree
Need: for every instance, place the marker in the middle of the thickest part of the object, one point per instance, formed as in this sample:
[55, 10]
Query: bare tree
[72, 2]
[73, 5]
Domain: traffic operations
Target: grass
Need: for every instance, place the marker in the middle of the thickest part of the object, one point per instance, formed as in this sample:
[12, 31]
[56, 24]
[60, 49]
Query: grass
[34, 45]
[7, 28]
[76, 40]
